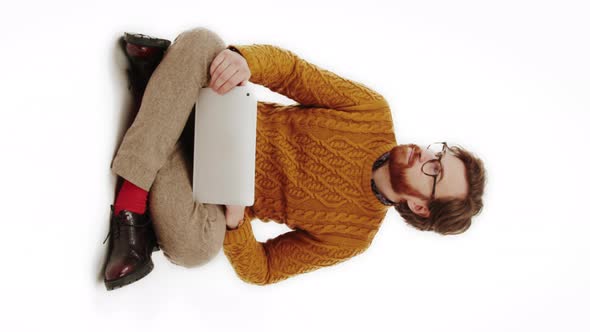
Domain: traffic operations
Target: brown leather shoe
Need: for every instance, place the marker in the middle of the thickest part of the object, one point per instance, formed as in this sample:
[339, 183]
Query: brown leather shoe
[132, 241]
[144, 54]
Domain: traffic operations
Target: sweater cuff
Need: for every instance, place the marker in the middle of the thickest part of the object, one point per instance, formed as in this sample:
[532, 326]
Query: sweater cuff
[239, 235]
[234, 48]
[247, 51]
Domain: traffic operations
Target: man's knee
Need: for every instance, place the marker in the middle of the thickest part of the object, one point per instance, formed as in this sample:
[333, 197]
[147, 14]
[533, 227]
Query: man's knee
[193, 239]
[196, 256]
[201, 37]
[203, 45]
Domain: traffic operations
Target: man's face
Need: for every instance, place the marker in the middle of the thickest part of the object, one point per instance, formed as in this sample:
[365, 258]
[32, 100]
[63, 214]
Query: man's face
[408, 180]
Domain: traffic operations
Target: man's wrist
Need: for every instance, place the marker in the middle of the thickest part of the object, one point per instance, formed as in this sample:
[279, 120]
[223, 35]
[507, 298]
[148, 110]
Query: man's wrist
[235, 227]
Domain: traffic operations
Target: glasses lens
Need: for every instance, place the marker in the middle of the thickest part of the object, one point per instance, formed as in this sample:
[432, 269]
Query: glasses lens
[436, 148]
[432, 167]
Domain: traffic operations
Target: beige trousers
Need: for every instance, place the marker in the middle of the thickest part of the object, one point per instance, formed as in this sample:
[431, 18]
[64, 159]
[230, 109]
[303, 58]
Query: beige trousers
[156, 153]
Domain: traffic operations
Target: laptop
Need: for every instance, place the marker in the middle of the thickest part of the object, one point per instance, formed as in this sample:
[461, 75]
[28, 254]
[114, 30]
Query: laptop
[225, 147]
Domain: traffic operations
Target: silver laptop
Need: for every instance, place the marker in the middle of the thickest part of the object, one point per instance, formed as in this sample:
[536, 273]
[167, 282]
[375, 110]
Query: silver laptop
[225, 147]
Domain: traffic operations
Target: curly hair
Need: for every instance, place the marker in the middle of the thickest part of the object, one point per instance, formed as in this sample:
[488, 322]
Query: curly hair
[452, 216]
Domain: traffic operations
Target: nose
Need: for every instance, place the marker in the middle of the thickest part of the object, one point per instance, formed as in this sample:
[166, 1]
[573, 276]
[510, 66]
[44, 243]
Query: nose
[425, 154]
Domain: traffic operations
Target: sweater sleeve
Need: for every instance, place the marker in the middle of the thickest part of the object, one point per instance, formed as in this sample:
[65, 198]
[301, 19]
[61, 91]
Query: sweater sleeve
[286, 255]
[284, 72]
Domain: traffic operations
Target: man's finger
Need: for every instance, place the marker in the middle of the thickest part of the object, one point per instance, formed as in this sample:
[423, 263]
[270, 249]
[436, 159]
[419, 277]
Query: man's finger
[229, 83]
[215, 77]
[219, 59]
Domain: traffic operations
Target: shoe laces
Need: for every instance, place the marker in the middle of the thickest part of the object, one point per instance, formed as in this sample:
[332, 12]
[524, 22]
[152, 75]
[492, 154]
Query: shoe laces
[116, 230]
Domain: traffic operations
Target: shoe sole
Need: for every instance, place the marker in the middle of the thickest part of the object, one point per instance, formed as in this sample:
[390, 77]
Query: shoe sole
[130, 278]
[145, 40]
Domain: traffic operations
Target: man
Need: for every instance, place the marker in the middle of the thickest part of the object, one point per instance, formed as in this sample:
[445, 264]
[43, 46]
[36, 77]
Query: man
[328, 167]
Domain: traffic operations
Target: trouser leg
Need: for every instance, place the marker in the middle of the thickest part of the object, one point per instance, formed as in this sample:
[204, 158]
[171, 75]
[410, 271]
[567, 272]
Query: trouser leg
[189, 233]
[167, 103]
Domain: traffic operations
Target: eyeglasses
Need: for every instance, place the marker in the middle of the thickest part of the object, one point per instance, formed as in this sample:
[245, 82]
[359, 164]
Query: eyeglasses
[434, 167]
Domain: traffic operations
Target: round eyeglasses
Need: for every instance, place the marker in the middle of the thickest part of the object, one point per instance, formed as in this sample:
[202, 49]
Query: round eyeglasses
[433, 167]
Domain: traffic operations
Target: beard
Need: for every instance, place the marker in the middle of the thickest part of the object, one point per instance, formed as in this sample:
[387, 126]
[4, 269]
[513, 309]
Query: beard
[398, 170]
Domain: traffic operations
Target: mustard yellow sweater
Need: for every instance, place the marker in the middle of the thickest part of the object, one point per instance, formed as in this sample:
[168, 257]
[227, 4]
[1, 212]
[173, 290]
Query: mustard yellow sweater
[313, 168]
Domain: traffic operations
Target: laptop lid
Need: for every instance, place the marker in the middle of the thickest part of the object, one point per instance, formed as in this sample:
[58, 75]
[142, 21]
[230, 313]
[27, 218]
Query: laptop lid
[225, 147]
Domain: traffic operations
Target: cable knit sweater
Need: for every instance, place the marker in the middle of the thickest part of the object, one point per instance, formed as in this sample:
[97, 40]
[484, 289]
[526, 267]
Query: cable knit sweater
[313, 168]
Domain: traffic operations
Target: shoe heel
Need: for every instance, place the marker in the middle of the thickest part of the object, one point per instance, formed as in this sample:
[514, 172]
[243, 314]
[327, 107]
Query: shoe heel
[146, 41]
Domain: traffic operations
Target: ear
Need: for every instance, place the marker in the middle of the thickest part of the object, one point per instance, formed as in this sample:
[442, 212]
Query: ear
[419, 207]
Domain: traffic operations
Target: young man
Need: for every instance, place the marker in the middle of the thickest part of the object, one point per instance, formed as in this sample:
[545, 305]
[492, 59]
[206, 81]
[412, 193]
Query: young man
[328, 167]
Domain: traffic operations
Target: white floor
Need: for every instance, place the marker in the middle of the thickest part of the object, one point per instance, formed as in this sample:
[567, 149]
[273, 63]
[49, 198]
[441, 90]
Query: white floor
[506, 79]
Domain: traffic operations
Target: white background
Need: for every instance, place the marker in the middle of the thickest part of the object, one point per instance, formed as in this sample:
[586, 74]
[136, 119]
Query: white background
[508, 80]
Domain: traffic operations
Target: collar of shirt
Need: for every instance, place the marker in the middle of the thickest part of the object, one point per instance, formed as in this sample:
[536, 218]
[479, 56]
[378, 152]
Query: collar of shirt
[380, 161]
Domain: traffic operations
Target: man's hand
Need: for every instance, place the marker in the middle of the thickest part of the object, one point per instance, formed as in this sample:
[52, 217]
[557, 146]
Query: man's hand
[228, 69]
[233, 215]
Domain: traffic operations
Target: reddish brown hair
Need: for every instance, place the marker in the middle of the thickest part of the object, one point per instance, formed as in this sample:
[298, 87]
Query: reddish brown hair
[452, 216]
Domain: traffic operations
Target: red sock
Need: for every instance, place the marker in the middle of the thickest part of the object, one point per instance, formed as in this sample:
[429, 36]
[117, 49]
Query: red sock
[131, 198]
